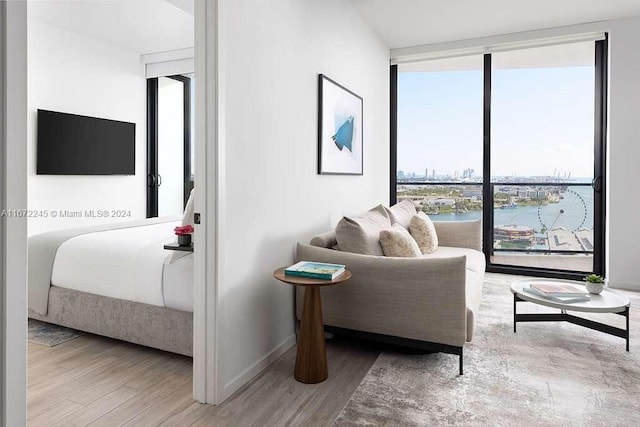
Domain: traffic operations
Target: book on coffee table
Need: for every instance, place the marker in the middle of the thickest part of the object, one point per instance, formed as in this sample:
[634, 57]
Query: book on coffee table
[565, 299]
[558, 289]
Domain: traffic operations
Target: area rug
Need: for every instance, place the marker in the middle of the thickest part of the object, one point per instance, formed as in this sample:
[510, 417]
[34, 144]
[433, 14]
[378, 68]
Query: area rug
[546, 374]
[49, 334]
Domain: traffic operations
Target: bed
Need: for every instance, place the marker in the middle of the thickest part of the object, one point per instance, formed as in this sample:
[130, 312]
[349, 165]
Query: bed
[115, 280]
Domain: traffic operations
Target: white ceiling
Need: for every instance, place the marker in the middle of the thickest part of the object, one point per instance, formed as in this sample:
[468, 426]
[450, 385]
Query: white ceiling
[144, 26]
[405, 23]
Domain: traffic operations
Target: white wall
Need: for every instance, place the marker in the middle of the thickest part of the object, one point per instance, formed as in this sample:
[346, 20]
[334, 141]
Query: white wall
[72, 73]
[271, 54]
[624, 153]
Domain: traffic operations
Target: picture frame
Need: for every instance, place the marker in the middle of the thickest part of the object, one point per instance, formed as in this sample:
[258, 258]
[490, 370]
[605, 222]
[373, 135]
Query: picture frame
[340, 129]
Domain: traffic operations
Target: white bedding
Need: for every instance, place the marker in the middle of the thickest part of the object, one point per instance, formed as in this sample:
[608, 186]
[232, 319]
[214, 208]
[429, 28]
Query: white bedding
[128, 264]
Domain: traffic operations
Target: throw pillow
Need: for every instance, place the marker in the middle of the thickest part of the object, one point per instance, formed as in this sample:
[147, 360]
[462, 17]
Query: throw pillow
[424, 232]
[401, 213]
[396, 241]
[360, 234]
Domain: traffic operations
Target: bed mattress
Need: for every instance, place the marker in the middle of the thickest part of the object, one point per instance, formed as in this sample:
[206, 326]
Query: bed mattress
[129, 264]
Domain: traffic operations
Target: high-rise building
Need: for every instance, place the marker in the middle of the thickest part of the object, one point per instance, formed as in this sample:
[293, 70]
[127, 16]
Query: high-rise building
[433, 173]
[426, 173]
[468, 173]
[400, 174]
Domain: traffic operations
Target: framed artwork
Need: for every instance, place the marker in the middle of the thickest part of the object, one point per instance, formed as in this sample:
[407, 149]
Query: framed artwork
[339, 129]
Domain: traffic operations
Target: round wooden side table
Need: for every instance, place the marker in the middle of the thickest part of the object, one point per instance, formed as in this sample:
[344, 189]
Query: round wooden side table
[311, 357]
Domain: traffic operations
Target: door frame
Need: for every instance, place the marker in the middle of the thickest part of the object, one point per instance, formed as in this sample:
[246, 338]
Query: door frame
[13, 228]
[208, 191]
[3, 205]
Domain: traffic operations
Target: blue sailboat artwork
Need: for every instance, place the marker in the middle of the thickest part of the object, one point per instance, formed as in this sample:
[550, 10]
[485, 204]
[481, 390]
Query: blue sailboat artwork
[344, 135]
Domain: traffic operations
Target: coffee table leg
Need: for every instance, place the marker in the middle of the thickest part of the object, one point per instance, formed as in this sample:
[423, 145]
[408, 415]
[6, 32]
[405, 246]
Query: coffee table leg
[626, 314]
[311, 358]
[515, 301]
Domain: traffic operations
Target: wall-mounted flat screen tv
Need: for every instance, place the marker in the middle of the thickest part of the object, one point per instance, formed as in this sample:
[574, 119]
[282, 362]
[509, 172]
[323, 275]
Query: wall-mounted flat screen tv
[69, 144]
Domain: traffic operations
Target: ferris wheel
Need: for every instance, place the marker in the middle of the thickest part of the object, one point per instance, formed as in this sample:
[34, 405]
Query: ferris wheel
[570, 212]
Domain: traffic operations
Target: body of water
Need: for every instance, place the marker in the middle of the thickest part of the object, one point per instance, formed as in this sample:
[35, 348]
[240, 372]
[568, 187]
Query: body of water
[572, 218]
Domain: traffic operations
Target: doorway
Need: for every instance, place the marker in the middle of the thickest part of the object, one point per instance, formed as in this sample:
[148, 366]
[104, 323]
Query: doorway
[13, 406]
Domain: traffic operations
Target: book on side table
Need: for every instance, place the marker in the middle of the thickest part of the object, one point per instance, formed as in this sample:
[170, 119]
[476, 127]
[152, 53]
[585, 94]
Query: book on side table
[315, 270]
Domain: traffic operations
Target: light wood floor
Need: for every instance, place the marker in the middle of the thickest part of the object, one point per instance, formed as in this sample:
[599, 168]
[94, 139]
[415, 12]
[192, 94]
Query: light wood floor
[102, 382]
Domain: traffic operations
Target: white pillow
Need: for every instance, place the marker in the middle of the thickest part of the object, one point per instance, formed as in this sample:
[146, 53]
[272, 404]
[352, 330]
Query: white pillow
[401, 213]
[396, 241]
[424, 232]
[187, 218]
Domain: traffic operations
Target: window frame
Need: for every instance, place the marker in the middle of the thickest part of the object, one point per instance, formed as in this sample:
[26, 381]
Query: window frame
[152, 183]
[598, 184]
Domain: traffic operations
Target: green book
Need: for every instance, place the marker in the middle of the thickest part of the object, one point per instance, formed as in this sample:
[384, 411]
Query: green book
[315, 270]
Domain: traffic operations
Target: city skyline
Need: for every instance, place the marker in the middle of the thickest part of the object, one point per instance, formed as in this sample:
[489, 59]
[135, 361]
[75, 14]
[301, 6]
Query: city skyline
[469, 174]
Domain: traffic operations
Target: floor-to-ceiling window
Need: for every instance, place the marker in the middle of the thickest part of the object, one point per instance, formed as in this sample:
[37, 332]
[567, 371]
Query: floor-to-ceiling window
[169, 144]
[542, 156]
[439, 148]
[515, 138]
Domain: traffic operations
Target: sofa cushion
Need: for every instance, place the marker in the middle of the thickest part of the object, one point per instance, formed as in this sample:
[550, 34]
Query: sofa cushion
[424, 232]
[360, 234]
[401, 213]
[475, 259]
[396, 241]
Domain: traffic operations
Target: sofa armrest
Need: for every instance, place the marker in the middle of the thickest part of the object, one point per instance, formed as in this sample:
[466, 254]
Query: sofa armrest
[417, 298]
[460, 234]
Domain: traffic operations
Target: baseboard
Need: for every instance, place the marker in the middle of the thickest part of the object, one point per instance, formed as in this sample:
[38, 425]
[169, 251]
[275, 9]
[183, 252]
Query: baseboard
[247, 375]
[625, 286]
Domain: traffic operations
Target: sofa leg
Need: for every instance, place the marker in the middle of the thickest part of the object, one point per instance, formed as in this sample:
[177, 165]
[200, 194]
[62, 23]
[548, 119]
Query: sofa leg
[461, 371]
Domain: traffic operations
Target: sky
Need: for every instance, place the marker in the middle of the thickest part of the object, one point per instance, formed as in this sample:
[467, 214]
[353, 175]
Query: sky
[542, 121]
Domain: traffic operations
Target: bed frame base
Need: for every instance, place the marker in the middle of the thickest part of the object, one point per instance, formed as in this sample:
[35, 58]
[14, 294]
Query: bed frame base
[149, 325]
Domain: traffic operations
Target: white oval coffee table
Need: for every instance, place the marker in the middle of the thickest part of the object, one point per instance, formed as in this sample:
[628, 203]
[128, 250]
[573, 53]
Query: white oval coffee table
[607, 302]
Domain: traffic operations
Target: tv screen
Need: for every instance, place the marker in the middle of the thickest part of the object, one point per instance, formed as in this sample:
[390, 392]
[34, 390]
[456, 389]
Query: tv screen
[69, 144]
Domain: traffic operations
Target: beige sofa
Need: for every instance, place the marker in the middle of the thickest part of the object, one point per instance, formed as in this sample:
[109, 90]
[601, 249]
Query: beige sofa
[430, 302]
